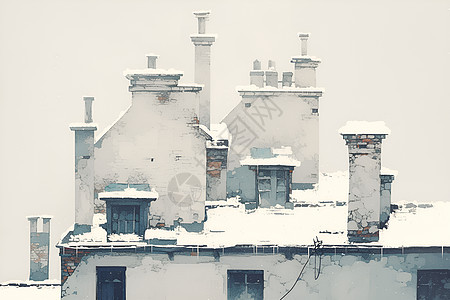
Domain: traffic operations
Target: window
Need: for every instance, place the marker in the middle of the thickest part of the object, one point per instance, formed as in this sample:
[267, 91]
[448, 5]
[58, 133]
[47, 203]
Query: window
[245, 284]
[315, 110]
[248, 104]
[111, 283]
[433, 284]
[125, 219]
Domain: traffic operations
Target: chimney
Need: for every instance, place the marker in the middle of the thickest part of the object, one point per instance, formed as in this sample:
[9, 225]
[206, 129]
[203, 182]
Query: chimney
[364, 199]
[271, 75]
[84, 170]
[151, 60]
[304, 40]
[202, 43]
[305, 66]
[88, 109]
[39, 248]
[287, 79]
[256, 75]
[385, 195]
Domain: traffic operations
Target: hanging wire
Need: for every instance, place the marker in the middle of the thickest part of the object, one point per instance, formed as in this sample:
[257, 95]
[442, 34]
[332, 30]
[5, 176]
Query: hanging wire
[317, 253]
[317, 247]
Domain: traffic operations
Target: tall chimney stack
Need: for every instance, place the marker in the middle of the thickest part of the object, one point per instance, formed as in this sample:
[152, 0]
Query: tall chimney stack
[364, 198]
[84, 170]
[39, 248]
[202, 43]
[305, 66]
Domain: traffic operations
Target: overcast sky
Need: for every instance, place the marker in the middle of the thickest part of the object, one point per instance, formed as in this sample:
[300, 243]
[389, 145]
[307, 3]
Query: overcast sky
[381, 60]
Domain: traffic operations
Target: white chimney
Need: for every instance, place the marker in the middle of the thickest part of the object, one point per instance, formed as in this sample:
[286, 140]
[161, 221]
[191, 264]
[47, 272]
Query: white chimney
[256, 75]
[84, 169]
[202, 43]
[305, 66]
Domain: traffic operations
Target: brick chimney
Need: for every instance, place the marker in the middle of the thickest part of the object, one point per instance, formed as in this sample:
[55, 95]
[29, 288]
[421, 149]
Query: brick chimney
[202, 43]
[305, 66]
[84, 169]
[39, 248]
[364, 199]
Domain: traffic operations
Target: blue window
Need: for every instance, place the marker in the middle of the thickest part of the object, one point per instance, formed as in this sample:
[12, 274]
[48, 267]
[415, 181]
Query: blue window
[245, 284]
[111, 283]
[433, 284]
[125, 219]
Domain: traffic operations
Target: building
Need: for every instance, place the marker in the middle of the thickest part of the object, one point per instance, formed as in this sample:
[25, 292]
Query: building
[163, 211]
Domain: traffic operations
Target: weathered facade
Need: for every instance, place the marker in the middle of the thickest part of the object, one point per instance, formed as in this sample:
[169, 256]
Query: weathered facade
[273, 114]
[39, 247]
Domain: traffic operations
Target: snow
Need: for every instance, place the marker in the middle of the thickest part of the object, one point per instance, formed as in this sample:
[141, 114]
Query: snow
[40, 216]
[306, 58]
[75, 126]
[152, 55]
[281, 157]
[254, 88]
[129, 193]
[130, 237]
[97, 234]
[364, 127]
[152, 72]
[387, 171]
[204, 35]
[220, 131]
[31, 292]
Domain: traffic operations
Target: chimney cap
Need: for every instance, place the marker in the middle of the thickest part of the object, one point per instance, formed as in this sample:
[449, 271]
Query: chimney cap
[202, 13]
[88, 98]
[152, 55]
[364, 127]
[304, 35]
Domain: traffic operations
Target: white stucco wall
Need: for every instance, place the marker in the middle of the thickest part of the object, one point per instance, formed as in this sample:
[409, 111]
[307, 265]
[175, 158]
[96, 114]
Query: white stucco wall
[275, 120]
[154, 276]
[155, 142]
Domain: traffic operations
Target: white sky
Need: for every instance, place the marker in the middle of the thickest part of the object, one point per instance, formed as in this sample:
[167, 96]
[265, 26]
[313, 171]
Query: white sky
[381, 60]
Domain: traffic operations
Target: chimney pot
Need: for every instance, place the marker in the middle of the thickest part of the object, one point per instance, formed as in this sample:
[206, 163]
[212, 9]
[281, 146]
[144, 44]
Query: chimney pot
[88, 109]
[271, 65]
[151, 60]
[256, 65]
[304, 40]
[272, 78]
[202, 17]
[287, 78]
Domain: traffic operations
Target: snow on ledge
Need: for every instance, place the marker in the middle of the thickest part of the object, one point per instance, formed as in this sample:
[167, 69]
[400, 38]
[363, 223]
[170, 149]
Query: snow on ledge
[156, 72]
[254, 88]
[364, 127]
[129, 193]
[386, 171]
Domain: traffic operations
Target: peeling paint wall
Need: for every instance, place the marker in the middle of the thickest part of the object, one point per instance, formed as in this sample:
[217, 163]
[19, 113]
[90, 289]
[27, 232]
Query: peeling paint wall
[157, 141]
[274, 120]
[154, 276]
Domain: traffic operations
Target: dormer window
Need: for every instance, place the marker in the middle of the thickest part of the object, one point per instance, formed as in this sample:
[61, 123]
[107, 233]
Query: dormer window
[127, 208]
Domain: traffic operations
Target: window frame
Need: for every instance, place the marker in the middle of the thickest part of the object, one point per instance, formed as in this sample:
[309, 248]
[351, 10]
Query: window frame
[246, 273]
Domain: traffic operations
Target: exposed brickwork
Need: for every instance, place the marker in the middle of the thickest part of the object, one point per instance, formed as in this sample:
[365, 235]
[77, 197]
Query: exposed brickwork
[70, 259]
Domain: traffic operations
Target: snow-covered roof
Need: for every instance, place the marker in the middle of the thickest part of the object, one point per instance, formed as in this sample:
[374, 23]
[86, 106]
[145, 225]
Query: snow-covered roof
[320, 212]
[128, 193]
[364, 127]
